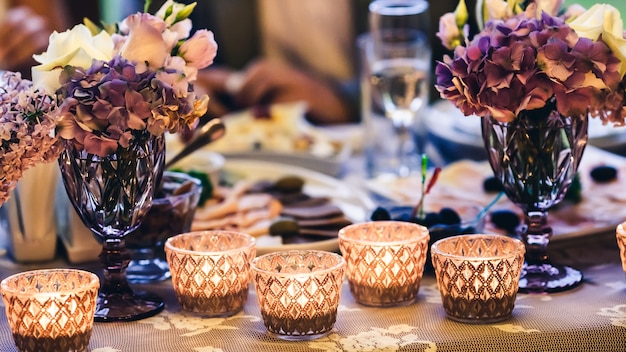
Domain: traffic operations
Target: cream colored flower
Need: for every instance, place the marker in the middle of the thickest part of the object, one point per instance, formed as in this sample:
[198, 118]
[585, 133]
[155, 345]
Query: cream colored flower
[76, 47]
[603, 20]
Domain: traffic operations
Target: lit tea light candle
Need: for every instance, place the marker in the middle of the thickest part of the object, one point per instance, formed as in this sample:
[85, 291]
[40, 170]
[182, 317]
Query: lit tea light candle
[51, 310]
[211, 270]
[298, 292]
[478, 276]
[385, 261]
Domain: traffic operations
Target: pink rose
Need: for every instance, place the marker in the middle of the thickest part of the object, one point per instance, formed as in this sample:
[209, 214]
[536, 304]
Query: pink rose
[200, 50]
[131, 21]
[144, 43]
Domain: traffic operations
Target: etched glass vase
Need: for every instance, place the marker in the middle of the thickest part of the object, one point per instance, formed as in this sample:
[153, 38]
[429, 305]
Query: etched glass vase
[536, 157]
[112, 195]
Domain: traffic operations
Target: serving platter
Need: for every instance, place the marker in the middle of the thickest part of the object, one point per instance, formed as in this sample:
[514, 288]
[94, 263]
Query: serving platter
[601, 209]
[354, 202]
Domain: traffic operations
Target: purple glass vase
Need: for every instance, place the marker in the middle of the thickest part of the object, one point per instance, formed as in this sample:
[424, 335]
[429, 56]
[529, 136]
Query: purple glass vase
[112, 195]
[536, 157]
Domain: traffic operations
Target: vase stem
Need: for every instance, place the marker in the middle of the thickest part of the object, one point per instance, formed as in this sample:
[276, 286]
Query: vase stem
[537, 236]
[539, 275]
[115, 258]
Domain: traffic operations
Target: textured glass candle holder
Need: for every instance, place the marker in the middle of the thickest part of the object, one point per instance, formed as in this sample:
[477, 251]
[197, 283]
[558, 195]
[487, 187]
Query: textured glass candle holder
[621, 242]
[51, 310]
[478, 276]
[211, 270]
[298, 292]
[385, 261]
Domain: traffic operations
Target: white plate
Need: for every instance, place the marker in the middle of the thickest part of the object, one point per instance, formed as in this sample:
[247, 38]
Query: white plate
[602, 208]
[353, 202]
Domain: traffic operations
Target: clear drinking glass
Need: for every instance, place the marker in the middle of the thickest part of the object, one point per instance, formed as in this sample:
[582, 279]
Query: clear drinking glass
[399, 60]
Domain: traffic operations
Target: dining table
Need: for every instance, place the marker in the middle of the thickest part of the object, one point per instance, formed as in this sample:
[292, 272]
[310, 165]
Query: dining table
[590, 317]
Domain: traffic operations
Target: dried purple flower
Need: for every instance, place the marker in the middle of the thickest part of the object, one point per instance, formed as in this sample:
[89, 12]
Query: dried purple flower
[108, 100]
[520, 63]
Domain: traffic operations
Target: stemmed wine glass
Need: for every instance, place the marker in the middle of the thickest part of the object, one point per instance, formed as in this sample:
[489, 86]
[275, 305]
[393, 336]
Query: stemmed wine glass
[536, 157]
[399, 59]
[112, 195]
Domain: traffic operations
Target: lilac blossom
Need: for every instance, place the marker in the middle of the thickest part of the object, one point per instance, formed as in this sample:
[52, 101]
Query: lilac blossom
[27, 124]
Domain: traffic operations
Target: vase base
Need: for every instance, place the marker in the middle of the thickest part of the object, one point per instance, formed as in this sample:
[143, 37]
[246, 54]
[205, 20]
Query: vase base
[147, 271]
[127, 307]
[548, 278]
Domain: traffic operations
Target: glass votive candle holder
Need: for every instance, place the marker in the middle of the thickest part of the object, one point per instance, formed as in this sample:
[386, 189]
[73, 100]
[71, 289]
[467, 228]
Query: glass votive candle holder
[51, 310]
[171, 214]
[211, 270]
[298, 292]
[385, 261]
[621, 242]
[478, 276]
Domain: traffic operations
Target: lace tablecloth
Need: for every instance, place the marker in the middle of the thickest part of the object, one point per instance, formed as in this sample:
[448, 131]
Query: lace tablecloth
[591, 317]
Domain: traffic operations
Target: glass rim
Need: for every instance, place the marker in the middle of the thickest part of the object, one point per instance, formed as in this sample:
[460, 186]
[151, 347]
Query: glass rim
[341, 262]
[250, 242]
[424, 233]
[519, 248]
[398, 7]
[196, 189]
[94, 283]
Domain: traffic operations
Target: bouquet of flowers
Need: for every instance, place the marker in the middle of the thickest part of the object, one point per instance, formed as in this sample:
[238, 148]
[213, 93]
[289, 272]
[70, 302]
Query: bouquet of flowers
[27, 122]
[96, 89]
[136, 79]
[531, 55]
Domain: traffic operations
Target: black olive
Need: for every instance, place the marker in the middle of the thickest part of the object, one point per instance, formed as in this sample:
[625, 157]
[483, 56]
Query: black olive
[380, 214]
[449, 216]
[468, 230]
[492, 184]
[430, 219]
[603, 173]
[505, 220]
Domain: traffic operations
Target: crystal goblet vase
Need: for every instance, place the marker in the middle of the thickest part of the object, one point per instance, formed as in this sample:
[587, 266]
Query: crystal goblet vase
[536, 157]
[112, 194]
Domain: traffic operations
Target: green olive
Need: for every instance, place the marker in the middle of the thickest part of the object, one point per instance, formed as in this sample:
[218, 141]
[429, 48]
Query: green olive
[284, 227]
[289, 184]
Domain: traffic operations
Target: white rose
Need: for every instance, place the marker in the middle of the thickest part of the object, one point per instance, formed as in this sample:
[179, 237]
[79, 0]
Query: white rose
[75, 47]
[605, 20]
